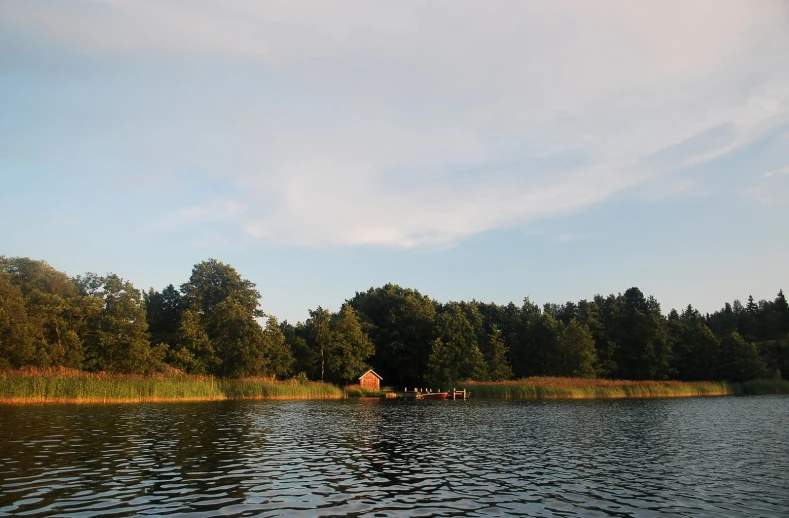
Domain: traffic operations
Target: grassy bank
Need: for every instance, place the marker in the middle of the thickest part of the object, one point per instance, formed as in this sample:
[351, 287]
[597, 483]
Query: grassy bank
[67, 386]
[581, 388]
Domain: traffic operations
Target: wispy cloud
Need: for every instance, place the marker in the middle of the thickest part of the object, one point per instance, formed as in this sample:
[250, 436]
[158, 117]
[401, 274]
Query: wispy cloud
[405, 124]
[777, 172]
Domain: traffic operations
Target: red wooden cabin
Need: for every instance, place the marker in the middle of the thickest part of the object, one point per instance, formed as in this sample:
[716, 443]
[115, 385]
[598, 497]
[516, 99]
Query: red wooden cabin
[370, 379]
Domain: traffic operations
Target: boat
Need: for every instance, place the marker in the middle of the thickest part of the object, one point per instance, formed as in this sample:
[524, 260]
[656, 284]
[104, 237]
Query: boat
[435, 395]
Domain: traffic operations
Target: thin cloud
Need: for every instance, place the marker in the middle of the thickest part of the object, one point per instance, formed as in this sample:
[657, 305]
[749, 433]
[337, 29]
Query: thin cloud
[777, 172]
[403, 124]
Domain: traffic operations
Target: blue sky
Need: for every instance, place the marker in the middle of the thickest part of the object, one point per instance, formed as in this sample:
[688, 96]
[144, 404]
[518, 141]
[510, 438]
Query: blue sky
[490, 150]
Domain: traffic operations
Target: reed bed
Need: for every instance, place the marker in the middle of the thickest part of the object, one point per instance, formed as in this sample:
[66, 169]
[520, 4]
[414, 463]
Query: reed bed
[71, 386]
[583, 388]
[359, 391]
[264, 388]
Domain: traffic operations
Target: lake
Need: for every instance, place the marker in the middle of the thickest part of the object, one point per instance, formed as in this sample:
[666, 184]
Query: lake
[725, 456]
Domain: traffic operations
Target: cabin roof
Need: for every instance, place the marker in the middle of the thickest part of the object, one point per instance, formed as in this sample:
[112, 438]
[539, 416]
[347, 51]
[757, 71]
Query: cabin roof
[369, 371]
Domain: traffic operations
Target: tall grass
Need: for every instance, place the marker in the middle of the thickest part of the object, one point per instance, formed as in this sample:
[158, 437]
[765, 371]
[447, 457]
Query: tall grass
[583, 388]
[72, 386]
[264, 388]
[359, 391]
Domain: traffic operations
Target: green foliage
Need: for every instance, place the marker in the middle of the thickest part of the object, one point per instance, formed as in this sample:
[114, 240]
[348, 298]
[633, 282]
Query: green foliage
[116, 338]
[455, 353]
[576, 353]
[319, 336]
[499, 368]
[163, 312]
[211, 326]
[47, 302]
[696, 349]
[400, 324]
[16, 347]
[641, 334]
[349, 348]
[218, 332]
[277, 351]
[740, 359]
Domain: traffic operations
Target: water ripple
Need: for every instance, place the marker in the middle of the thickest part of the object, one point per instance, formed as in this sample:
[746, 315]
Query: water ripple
[379, 458]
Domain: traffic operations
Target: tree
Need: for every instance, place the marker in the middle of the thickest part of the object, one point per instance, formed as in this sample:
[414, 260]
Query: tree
[52, 310]
[304, 359]
[163, 312]
[696, 352]
[349, 346]
[751, 306]
[117, 334]
[226, 338]
[740, 359]
[238, 340]
[782, 308]
[499, 368]
[520, 343]
[212, 283]
[455, 354]
[193, 351]
[576, 351]
[400, 323]
[318, 330]
[277, 351]
[641, 334]
[542, 335]
[16, 348]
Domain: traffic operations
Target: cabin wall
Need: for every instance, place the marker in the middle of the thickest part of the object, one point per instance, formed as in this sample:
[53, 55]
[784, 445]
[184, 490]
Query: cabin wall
[370, 381]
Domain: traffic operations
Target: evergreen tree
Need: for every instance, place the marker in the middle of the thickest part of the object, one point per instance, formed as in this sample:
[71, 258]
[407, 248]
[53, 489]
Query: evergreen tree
[499, 368]
[319, 337]
[641, 333]
[542, 347]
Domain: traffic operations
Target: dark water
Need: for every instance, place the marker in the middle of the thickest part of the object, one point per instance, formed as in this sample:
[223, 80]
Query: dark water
[680, 457]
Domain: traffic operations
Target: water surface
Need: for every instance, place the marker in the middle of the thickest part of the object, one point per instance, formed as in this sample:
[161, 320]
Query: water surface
[668, 457]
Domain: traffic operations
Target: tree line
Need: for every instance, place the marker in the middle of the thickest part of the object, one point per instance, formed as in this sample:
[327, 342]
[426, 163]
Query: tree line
[213, 325]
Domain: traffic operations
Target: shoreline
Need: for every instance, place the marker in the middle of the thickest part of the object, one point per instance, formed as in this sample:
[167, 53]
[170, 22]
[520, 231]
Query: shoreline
[80, 388]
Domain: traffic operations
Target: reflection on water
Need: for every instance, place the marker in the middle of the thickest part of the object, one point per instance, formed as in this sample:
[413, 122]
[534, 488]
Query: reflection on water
[680, 457]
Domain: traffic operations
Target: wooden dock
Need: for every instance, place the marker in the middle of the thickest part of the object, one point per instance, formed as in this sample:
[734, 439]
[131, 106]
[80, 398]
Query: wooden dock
[422, 393]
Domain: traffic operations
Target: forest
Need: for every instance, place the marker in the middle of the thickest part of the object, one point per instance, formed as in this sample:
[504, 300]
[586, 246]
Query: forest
[213, 325]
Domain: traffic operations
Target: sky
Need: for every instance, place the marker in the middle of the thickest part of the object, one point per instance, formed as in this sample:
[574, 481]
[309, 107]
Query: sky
[470, 150]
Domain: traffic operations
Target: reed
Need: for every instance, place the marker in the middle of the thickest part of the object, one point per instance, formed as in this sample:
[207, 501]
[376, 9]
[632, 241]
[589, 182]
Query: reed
[264, 388]
[583, 388]
[359, 391]
[72, 386]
